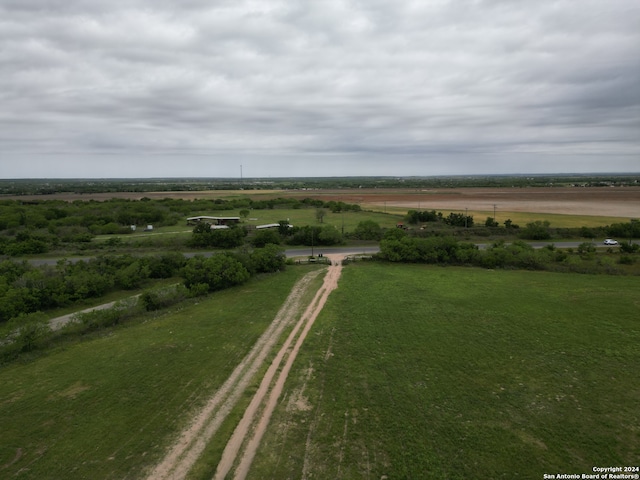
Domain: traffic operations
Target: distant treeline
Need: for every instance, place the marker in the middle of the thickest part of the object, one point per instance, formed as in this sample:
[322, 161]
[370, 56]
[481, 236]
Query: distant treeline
[87, 186]
[25, 288]
[38, 226]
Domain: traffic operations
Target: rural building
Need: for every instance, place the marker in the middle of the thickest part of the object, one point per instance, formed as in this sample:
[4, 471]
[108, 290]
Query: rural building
[214, 221]
[270, 225]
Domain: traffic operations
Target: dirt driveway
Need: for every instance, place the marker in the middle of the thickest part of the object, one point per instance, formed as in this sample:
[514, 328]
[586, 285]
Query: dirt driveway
[241, 448]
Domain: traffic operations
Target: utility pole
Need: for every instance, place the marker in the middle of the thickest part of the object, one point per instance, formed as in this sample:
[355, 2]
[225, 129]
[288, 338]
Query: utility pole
[494, 212]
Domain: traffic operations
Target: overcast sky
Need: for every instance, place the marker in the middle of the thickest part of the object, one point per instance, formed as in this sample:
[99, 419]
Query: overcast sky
[181, 88]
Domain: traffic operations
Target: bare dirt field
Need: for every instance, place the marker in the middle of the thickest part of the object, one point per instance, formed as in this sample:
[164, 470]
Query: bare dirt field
[623, 202]
[613, 202]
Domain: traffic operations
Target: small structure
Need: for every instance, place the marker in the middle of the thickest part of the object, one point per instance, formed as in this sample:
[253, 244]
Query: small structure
[214, 221]
[271, 225]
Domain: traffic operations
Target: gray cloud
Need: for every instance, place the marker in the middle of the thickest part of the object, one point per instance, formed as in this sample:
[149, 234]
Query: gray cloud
[168, 88]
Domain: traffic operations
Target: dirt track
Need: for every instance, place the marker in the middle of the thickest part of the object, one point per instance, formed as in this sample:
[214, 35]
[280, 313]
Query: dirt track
[241, 449]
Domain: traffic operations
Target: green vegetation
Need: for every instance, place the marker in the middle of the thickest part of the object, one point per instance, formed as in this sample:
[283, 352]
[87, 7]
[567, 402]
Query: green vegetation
[423, 372]
[51, 186]
[399, 246]
[107, 407]
[25, 288]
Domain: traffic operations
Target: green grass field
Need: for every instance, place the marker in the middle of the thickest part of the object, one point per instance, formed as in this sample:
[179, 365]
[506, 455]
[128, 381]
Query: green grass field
[451, 373]
[106, 407]
[410, 372]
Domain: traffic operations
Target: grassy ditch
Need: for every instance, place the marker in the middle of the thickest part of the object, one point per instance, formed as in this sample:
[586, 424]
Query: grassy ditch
[425, 372]
[107, 407]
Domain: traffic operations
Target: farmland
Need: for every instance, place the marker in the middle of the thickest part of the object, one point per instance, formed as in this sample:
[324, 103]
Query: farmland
[422, 372]
[410, 371]
[107, 406]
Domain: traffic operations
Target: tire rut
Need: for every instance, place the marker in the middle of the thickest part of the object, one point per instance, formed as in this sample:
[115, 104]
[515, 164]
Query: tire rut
[192, 441]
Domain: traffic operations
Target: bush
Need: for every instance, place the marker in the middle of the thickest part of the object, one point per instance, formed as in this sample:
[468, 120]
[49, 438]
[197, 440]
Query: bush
[265, 237]
[271, 258]
[586, 248]
[107, 317]
[217, 272]
[628, 247]
[164, 297]
[28, 332]
[626, 260]
[368, 230]
[536, 231]
[204, 237]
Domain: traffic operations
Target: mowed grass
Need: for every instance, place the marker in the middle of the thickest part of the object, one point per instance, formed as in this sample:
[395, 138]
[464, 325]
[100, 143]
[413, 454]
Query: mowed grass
[419, 372]
[108, 407]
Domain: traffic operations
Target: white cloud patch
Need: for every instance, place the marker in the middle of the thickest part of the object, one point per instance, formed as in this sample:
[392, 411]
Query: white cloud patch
[121, 88]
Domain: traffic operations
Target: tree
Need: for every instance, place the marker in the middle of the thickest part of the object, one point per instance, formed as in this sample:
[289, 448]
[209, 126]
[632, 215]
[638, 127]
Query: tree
[218, 272]
[265, 237]
[459, 220]
[271, 258]
[320, 214]
[244, 213]
[203, 237]
[284, 228]
[490, 222]
[329, 235]
[368, 230]
[537, 230]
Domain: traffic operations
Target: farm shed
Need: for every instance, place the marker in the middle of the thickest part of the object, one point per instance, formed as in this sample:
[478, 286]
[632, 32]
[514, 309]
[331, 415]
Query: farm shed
[270, 225]
[214, 221]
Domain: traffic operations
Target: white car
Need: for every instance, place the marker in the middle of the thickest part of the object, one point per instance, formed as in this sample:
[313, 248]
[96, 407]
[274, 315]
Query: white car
[609, 241]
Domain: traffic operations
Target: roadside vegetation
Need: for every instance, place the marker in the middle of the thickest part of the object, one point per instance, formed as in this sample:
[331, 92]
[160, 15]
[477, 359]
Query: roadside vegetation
[400, 246]
[415, 371]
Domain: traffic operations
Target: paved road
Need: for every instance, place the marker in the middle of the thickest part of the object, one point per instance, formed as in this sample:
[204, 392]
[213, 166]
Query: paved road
[305, 252]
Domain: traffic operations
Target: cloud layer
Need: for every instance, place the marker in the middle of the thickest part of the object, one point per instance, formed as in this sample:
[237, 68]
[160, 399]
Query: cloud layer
[338, 87]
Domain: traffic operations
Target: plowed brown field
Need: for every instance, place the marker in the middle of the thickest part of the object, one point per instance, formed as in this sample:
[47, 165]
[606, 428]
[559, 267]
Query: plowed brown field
[613, 202]
[621, 202]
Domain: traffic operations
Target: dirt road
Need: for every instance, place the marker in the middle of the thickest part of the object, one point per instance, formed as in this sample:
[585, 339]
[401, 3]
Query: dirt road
[241, 449]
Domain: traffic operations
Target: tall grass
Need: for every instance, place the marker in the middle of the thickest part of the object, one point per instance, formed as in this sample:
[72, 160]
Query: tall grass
[451, 373]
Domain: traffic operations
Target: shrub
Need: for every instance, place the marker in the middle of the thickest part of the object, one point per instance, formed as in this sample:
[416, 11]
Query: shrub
[586, 248]
[368, 230]
[626, 260]
[537, 230]
[265, 237]
[218, 272]
[271, 258]
[628, 247]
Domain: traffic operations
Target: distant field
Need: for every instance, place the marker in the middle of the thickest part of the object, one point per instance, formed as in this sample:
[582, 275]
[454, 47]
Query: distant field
[563, 206]
[423, 372]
